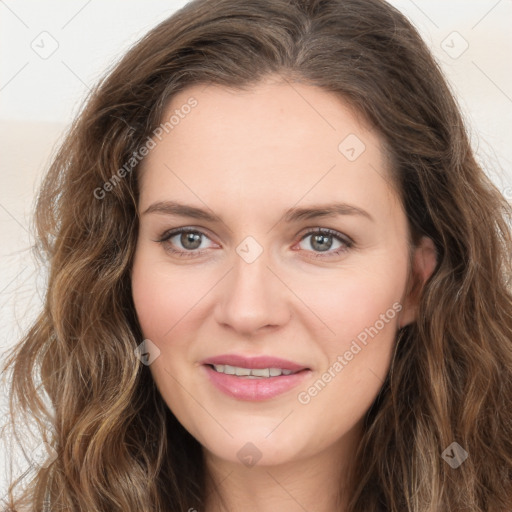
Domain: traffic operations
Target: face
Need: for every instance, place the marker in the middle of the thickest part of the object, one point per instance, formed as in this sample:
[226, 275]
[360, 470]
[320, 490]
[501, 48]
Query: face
[271, 269]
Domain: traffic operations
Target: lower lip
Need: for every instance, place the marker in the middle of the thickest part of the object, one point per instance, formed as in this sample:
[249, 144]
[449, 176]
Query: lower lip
[255, 389]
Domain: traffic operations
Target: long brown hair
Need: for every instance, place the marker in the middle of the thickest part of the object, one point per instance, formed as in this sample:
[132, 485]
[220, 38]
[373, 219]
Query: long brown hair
[118, 446]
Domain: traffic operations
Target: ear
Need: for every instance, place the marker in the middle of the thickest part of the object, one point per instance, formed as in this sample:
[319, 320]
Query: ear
[423, 264]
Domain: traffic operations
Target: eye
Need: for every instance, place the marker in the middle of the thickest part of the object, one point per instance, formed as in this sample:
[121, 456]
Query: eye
[185, 242]
[325, 242]
[188, 242]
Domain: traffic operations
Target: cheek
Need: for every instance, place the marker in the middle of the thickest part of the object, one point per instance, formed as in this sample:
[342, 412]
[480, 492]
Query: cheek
[363, 311]
[163, 297]
[355, 363]
[167, 304]
[354, 301]
[171, 303]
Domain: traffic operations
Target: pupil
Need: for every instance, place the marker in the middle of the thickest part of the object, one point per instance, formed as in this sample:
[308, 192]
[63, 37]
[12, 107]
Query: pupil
[191, 240]
[321, 242]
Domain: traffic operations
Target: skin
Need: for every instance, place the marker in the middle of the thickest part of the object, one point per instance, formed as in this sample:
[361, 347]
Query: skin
[248, 157]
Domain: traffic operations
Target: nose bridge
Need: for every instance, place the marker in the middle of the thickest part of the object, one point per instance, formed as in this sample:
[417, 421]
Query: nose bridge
[252, 297]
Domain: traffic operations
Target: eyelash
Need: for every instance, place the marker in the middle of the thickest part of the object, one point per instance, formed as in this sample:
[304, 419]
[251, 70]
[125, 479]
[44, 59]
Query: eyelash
[347, 242]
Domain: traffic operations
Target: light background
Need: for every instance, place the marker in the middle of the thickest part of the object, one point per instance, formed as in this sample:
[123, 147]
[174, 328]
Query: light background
[40, 94]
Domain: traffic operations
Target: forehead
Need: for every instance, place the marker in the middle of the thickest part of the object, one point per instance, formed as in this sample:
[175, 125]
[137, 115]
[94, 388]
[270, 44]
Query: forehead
[277, 141]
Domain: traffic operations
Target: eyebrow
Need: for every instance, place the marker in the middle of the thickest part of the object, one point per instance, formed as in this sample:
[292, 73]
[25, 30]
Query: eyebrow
[184, 210]
[324, 210]
[291, 215]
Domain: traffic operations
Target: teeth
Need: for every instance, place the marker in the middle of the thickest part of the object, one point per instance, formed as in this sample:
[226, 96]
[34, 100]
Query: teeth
[242, 371]
[230, 370]
[264, 372]
[250, 373]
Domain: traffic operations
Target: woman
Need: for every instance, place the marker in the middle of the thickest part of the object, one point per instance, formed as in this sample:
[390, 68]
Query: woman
[278, 277]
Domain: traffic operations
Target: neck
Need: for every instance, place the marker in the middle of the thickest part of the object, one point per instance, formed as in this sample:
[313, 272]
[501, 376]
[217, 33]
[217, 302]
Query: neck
[315, 483]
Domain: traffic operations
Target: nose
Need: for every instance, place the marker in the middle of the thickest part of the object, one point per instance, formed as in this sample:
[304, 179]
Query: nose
[252, 299]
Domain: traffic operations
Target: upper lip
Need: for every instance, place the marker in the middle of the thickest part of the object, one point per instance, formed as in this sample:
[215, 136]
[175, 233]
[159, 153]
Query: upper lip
[258, 362]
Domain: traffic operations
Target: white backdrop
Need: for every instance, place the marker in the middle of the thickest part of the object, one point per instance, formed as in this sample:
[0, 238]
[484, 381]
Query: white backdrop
[51, 52]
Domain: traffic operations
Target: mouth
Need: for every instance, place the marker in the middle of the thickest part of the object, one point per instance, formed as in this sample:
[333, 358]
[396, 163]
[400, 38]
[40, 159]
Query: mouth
[256, 378]
[250, 373]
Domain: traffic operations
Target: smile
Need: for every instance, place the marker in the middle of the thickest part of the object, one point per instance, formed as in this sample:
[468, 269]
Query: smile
[251, 373]
[253, 378]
